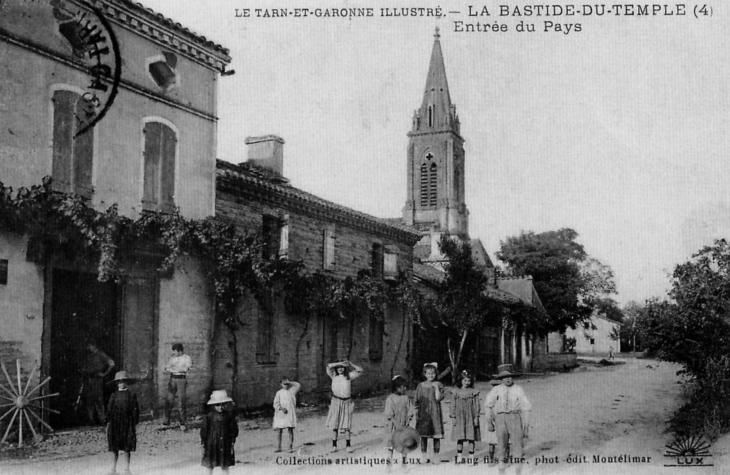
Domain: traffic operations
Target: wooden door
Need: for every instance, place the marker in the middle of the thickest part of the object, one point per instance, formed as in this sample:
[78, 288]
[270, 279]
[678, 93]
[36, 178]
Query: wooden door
[139, 338]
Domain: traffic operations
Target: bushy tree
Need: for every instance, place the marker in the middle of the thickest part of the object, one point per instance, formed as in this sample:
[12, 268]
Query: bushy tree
[462, 304]
[571, 284]
[695, 325]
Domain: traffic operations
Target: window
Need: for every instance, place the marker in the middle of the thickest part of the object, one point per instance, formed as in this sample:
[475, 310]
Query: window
[377, 329]
[72, 155]
[276, 236]
[432, 185]
[265, 334]
[429, 181]
[161, 69]
[3, 272]
[160, 143]
[431, 116]
[328, 255]
[377, 263]
[593, 341]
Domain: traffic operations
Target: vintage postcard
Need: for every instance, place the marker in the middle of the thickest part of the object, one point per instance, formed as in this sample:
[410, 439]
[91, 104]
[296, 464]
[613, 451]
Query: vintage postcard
[349, 236]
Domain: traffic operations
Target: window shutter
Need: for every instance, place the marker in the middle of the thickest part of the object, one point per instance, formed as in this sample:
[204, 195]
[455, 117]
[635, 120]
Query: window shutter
[64, 105]
[424, 185]
[432, 185]
[377, 264]
[329, 249]
[390, 265]
[167, 168]
[270, 231]
[152, 148]
[284, 237]
[83, 153]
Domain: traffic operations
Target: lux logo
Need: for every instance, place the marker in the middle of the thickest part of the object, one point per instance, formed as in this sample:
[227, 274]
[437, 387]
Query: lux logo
[688, 451]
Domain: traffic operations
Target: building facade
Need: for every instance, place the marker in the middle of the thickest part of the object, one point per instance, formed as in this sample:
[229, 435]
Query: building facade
[327, 238]
[119, 106]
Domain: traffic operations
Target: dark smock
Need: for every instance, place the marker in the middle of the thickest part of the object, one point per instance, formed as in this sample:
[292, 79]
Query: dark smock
[218, 434]
[123, 415]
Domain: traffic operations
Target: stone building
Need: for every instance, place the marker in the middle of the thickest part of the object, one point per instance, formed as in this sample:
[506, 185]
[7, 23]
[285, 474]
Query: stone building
[597, 336]
[326, 237]
[119, 105]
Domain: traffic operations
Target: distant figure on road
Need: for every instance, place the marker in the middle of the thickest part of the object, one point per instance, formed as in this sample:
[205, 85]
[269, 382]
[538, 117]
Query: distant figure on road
[508, 411]
[610, 352]
[96, 367]
[178, 367]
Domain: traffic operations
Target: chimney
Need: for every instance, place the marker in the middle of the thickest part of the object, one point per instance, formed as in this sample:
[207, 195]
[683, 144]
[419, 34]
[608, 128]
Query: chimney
[267, 151]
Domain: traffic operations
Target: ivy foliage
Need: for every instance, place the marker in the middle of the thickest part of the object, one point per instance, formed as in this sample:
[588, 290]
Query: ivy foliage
[66, 222]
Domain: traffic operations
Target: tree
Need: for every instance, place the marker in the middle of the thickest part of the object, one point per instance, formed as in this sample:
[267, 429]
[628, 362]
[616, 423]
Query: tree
[694, 326]
[462, 304]
[571, 284]
[629, 333]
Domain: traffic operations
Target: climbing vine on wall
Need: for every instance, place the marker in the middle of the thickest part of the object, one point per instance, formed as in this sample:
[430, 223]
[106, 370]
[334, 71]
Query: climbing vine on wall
[67, 223]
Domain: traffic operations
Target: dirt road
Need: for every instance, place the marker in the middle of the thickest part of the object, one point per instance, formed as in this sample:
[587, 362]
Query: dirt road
[587, 421]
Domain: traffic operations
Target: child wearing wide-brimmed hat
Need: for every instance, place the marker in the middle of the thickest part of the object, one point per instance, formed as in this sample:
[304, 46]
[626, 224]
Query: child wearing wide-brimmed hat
[218, 434]
[122, 418]
[339, 417]
[509, 408]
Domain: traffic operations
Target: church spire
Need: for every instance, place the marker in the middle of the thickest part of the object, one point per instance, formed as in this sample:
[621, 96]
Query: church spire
[436, 112]
[436, 159]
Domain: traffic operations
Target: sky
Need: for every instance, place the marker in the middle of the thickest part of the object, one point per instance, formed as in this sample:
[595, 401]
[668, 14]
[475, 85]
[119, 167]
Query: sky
[618, 130]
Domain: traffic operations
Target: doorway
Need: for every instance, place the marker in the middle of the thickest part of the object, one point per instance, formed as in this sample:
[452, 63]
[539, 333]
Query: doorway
[81, 308]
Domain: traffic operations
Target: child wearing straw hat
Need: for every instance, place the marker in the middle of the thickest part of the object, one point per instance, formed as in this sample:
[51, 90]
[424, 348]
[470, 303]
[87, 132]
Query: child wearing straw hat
[509, 408]
[218, 434]
[122, 418]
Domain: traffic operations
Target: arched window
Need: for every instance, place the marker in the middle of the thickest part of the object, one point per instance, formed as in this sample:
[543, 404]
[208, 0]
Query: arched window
[432, 185]
[424, 184]
[160, 144]
[73, 155]
[431, 116]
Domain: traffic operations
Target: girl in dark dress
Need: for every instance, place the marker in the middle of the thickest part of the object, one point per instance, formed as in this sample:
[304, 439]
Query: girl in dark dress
[218, 434]
[122, 415]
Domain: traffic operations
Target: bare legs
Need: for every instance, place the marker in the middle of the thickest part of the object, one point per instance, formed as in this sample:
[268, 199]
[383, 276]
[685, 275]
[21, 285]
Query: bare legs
[115, 458]
[291, 438]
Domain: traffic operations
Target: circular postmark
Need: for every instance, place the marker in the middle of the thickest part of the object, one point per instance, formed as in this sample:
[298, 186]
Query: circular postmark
[95, 45]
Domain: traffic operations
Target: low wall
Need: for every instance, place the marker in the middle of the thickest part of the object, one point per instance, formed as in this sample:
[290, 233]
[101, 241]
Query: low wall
[554, 361]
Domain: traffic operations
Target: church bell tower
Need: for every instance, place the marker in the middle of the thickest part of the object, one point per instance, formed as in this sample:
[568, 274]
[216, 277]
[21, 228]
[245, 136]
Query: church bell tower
[435, 199]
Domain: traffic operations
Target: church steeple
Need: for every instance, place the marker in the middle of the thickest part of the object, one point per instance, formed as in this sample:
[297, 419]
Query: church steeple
[436, 112]
[436, 158]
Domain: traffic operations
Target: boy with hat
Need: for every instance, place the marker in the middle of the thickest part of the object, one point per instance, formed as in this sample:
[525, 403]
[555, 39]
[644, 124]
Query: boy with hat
[508, 413]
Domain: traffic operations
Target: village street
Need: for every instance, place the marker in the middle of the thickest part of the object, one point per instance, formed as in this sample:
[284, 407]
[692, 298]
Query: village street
[594, 411]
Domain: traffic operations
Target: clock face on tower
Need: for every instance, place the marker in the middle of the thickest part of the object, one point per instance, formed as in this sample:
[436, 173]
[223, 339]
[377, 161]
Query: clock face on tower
[94, 48]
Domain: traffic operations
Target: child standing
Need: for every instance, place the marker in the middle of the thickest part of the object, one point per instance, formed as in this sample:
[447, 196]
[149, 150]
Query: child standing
[429, 421]
[285, 416]
[123, 415]
[339, 418]
[465, 409]
[491, 436]
[218, 434]
[398, 411]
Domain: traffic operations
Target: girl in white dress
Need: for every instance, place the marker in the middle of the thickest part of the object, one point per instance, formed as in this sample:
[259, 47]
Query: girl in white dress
[339, 418]
[285, 415]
